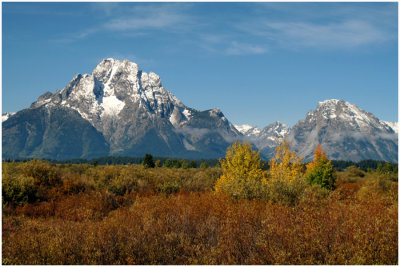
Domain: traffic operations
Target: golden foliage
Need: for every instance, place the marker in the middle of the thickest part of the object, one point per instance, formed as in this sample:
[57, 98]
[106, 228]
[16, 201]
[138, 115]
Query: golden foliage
[287, 165]
[242, 172]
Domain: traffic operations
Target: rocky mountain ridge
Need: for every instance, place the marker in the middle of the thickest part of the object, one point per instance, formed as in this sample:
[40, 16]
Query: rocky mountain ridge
[344, 131]
[126, 111]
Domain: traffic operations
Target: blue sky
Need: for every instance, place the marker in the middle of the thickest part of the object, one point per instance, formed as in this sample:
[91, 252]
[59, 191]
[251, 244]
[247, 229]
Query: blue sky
[257, 62]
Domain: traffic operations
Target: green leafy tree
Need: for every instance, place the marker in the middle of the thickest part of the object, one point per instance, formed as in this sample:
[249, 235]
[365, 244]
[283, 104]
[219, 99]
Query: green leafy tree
[168, 163]
[148, 161]
[204, 165]
[192, 164]
[184, 164]
[320, 171]
[157, 163]
[242, 172]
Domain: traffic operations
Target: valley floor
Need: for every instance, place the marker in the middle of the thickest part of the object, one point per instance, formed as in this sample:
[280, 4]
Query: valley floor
[81, 214]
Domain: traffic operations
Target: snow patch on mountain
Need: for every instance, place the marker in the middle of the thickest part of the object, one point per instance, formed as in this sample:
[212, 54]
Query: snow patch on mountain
[6, 115]
[393, 125]
[187, 114]
[111, 106]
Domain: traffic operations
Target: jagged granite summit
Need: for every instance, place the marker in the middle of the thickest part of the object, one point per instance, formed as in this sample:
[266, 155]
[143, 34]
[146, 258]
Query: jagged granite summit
[130, 110]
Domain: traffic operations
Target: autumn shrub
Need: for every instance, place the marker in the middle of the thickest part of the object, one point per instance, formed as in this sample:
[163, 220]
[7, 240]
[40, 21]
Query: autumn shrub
[18, 189]
[85, 206]
[342, 178]
[43, 172]
[380, 187]
[353, 171]
[347, 191]
[287, 193]
[389, 170]
[106, 174]
[168, 187]
[42, 209]
[201, 179]
[204, 228]
[242, 172]
[314, 194]
[75, 183]
[123, 183]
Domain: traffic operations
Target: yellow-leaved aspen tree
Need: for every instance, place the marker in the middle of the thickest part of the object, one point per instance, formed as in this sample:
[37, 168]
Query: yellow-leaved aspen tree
[286, 165]
[242, 172]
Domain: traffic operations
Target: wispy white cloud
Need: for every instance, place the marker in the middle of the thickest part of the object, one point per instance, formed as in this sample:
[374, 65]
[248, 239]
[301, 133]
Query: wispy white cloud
[236, 48]
[155, 17]
[155, 20]
[346, 34]
[135, 20]
[261, 29]
[325, 26]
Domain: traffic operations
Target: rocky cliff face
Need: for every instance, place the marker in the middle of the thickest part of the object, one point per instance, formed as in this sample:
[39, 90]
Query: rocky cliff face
[52, 133]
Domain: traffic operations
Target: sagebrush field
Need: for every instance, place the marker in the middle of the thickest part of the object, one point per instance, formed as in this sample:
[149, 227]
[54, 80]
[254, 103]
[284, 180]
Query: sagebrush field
[130, 214]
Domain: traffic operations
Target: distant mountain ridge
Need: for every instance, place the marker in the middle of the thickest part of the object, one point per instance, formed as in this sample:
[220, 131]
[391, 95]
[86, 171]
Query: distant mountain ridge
[266, 139]
[120, 110]
[343, 130]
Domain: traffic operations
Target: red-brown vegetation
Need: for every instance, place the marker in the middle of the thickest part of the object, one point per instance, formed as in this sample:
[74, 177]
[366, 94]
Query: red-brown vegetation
[164, 216]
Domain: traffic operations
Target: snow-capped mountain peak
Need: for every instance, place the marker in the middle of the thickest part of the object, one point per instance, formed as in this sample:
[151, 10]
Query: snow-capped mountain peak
[277, 128]
[340, 110]
[345, 132]
[127, 105]
[248, 130]
[112, 86]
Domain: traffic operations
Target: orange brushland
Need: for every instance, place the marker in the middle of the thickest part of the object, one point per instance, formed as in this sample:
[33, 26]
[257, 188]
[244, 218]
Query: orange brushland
[83, 214]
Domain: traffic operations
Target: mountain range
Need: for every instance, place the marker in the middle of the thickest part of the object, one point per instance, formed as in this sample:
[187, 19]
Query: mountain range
[120, 110]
